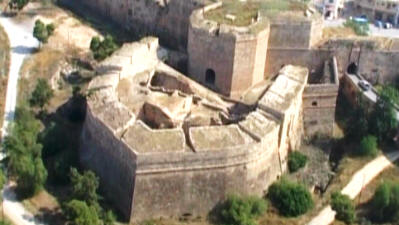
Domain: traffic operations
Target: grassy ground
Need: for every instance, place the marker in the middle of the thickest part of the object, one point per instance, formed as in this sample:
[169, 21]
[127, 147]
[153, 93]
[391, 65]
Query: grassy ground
[246, 11]
[4, 67]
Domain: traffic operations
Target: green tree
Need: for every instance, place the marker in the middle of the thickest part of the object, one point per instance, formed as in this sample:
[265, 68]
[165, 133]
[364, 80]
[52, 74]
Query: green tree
[42, 31]
[3, 180]
[84, 186]
[79, 213]
[385, 203]
[368, 146]
[108, 218]
[358, 125]
[242, 210]
[296, 160]
[41, 95]
[24, 154]
[344, 207]
[361, 29]
[4, 222]
[291, 199]
[383, 118]
[103, 49]
[17, 4]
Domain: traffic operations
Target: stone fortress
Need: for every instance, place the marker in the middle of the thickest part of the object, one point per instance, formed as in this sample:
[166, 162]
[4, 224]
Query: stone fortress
[170, 132]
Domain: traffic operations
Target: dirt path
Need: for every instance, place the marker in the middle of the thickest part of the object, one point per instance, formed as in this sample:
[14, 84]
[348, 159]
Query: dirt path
[358, 181]
[22, 44]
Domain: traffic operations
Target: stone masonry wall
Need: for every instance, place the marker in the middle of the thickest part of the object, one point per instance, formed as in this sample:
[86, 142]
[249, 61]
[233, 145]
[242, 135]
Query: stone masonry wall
[167, 19]
[237, 55]
[112, 161]
[290, 33]
[319, 102]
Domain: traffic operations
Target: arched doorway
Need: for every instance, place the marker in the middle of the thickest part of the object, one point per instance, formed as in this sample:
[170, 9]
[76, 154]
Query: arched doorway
[352, 68]
[210, 77]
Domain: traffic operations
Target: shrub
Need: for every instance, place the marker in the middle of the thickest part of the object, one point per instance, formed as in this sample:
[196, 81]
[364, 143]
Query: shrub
[79, 213]
[42, 31]
[102, 49]
[296, 160]
[368, 146]
[385, 203]
[41, 95]
[242, 210]
[17, 4]
[291, 199]
[344, 207]
[361, 29]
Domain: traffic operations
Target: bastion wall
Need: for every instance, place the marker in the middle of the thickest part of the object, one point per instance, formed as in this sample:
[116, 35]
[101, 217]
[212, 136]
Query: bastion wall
[151, 173]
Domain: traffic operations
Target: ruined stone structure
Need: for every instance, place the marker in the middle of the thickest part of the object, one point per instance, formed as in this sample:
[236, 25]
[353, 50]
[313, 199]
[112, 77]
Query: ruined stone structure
[160, 145]
[319, 101]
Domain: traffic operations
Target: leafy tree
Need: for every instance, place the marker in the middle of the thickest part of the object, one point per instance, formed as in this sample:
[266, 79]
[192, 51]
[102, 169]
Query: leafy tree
[291, 199]
[84, 186]
[3, 180]
[24, 154]
[358, 126]
[242, 210]
[385, 203]
[41, 95]
[4, 222]
[103, 49]
[17, 4]
[368, 146]
[383, 118]
[296, 160]
[42, 31]
[361, 29]
[79, 213]
[344, 207]
[108, 218]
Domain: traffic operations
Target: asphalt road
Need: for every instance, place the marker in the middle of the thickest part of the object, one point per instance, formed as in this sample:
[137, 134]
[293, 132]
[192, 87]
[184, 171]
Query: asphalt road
[375, 31]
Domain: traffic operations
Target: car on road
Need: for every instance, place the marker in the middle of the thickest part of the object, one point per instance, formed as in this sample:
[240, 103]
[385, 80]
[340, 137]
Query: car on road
[364, 85]
[387, 25]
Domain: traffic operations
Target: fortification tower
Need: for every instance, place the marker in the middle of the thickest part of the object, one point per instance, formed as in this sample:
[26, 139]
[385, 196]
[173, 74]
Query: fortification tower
[227, 52]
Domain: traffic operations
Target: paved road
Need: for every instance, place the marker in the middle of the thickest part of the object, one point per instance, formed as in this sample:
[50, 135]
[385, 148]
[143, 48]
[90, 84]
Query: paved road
[375, 31]
[22, 44]
[370, 94]
[358, 181]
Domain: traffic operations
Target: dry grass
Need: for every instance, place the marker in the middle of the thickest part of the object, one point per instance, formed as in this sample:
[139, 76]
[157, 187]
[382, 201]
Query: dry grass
[4, 69]
[43, 64]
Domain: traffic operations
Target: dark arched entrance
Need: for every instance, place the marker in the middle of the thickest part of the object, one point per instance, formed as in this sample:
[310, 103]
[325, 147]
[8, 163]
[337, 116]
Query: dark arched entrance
[352, 68]
[210, 76]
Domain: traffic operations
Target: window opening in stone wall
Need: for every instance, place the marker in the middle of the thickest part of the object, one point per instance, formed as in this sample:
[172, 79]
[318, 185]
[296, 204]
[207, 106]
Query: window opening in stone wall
[352, 68]
[314, 103]
[210, 76]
